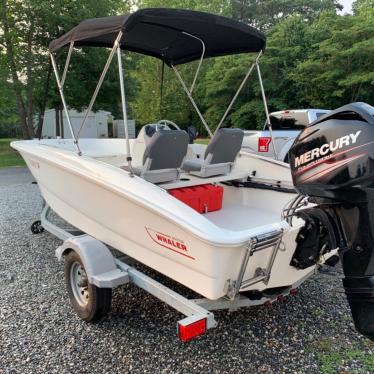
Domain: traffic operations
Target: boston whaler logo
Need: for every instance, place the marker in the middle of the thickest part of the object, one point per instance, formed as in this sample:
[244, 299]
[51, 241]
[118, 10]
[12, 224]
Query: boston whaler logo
[169, 242]
[34, 164]
[324, 149]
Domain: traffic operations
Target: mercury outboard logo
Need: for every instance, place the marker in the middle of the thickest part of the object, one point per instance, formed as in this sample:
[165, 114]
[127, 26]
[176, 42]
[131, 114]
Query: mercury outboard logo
[324, 149]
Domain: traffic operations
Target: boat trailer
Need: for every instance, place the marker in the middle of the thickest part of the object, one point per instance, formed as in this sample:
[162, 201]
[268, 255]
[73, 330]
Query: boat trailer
[106, 271]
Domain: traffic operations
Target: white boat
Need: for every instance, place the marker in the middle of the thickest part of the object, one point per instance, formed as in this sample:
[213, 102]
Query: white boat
[124, 192]
[202, 251]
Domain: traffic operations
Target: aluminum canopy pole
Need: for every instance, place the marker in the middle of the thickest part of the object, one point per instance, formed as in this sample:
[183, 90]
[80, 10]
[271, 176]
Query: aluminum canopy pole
[124, 110]
[192, 100]
[201, 58]
[103, 74]
[237, 93]
[60, 88]
[266, 107]
[67, 63]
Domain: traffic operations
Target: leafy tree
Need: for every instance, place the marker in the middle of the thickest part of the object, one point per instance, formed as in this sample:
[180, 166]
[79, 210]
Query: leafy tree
[287, 47]
[9, 120]
[314, 57]
[340, 67]
[265, 14]
[212, 6]
[363, 8]
[27, 28]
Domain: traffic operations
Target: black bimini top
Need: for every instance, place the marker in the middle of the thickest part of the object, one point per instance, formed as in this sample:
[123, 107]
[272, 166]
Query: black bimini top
[162, 33]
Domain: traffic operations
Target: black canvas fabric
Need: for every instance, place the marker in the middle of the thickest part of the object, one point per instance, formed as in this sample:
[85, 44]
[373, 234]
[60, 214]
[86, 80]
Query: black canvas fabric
[162, 33]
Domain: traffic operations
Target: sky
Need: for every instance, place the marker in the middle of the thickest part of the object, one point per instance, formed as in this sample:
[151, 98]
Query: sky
[347, 5]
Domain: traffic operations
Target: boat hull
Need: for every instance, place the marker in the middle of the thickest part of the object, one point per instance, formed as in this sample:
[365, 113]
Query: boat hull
[74, 191]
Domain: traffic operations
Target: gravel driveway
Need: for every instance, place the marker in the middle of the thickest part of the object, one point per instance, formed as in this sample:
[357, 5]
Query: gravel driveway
[39, 333]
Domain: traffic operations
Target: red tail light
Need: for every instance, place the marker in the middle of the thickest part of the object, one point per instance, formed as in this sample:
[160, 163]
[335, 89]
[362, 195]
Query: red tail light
[263, 144]
[192, 330]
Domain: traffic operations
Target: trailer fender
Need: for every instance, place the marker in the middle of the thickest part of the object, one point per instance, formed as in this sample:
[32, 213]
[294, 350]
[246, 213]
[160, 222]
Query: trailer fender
[98, 261]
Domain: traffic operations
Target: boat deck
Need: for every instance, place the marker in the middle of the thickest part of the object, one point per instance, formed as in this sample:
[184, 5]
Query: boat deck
[238, 217]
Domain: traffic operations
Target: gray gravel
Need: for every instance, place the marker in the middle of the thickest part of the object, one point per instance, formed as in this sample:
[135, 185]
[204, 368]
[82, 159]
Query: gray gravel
[16, 175]
[39, 332]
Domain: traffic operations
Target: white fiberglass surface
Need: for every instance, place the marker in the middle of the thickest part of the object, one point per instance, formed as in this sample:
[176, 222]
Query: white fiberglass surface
[95, 148]
[246, 208]
[237, 217]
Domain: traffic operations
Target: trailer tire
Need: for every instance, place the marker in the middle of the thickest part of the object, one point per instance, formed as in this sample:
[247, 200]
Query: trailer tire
[90, 302]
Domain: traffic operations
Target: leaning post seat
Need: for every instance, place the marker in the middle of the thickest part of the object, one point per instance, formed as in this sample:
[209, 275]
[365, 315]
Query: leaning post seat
[219, 156]
[163, 156]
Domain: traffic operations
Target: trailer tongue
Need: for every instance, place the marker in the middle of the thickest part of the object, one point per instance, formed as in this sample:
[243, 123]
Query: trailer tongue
[341, 183]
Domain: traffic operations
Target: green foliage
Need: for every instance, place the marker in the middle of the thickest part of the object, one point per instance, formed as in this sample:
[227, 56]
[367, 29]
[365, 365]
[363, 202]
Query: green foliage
[146, 103]
[27, 27]
[340, 67]
[363, 8]
[264, 14]
[222, 7]
[314, 58]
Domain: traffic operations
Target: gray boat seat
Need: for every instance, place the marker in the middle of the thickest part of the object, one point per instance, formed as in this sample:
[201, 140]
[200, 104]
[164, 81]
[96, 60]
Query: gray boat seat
[163, 156]
[220, 154]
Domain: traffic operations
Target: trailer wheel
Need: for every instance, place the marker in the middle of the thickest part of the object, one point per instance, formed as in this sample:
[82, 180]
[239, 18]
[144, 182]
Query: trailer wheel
[90, 302]
[36, 227]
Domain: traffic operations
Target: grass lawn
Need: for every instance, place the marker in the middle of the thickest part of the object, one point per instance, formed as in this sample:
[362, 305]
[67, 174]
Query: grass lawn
[8, 156]
[202, 141]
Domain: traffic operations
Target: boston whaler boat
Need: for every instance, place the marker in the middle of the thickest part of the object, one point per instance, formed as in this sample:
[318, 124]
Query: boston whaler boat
[226, 224]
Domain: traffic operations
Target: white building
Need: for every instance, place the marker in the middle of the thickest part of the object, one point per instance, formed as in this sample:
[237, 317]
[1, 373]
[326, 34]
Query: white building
[119, 128]
[98, 125]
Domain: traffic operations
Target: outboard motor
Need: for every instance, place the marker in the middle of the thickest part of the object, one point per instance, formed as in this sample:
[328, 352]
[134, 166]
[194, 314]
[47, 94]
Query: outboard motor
[332, 163]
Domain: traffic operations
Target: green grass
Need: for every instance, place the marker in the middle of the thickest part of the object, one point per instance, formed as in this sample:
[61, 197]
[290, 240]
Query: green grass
[8, 156]
[202, 141]
[332, 356]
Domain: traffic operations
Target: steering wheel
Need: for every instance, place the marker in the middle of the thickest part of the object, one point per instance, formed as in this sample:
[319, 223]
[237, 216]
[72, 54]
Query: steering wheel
[168, 123]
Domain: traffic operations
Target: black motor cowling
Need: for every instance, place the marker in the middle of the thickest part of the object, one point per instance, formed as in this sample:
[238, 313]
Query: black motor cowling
[332, 162]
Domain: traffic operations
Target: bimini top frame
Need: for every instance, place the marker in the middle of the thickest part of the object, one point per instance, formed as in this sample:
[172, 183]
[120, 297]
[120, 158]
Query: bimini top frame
[178, 36]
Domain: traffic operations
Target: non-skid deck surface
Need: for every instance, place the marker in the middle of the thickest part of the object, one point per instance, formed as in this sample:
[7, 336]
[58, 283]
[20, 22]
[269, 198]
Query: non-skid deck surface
[237, 217]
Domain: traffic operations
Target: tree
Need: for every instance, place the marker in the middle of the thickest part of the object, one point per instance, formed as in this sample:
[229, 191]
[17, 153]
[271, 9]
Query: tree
[264, 14]
[213, 6]
[288, 45]
[314, 57]
[27, 28]
[9, 119]
[363, 8]
[340, 67]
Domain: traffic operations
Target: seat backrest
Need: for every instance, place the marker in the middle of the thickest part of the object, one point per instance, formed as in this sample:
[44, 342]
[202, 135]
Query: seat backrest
[225, 146]
[166, 149]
